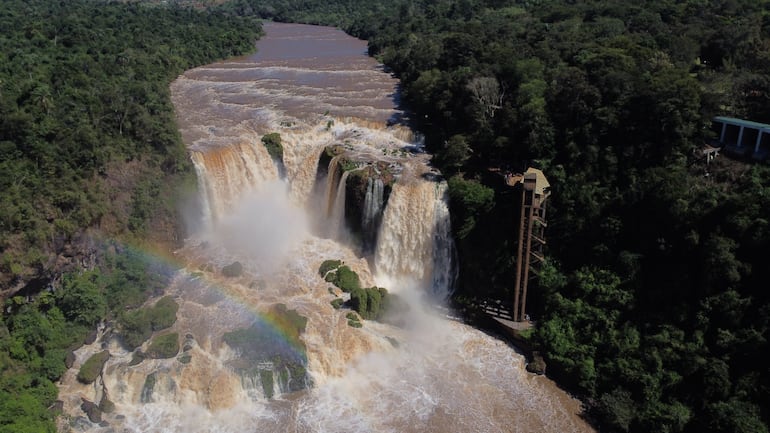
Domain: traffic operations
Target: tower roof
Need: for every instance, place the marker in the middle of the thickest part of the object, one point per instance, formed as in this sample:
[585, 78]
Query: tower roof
[541, 183]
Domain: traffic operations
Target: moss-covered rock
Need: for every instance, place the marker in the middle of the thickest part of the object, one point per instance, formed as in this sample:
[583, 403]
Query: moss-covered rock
[344, 278]
[163, 314]
[371, 303]
[137, 326]
[136, 358]
[92, 368]
[163, 346]
[368, 302]
[354, 320]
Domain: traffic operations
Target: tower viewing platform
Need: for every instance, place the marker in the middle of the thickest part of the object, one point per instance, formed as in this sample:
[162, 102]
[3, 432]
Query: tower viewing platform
[742, 137]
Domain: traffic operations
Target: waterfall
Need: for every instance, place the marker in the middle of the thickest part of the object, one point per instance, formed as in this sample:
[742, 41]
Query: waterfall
[199, 163]
[414, 241]
[445, 268]
[229, 172]
[337, 216]
[372, 214]
[332, 178]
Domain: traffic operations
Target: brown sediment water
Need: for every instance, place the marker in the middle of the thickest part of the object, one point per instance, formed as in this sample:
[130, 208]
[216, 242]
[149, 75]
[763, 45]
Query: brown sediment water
[316, 87]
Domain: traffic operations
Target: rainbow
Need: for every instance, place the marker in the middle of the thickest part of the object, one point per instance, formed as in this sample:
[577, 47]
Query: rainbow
[277, 325]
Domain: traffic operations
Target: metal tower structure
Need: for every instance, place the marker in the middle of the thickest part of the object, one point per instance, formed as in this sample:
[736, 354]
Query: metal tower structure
[532, 224]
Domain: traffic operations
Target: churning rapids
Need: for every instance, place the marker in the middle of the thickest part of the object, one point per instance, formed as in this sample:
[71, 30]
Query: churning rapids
[353, 185]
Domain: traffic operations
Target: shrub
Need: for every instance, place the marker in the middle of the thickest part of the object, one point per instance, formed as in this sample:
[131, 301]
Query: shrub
[328, 265]
[337, 303]
[371, 303]
[346, 279]
[273, 145]
[164, 346]
[80, 298]
[92, 368]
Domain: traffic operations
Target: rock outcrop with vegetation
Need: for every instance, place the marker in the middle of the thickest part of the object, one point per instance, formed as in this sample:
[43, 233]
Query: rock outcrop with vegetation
[271, 351]
[371, 303]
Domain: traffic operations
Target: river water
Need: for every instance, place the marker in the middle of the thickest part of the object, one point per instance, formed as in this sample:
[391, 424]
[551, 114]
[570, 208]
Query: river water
[316, 87]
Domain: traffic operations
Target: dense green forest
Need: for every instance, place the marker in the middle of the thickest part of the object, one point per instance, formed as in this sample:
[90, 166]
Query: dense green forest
[88, 151]
[652, 305]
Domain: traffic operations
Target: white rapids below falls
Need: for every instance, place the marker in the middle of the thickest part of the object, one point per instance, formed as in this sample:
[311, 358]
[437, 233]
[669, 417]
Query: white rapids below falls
[316, 88]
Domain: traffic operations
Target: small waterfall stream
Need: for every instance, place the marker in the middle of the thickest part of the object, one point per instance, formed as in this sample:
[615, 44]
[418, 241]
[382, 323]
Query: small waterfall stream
[372, 216]
[337, 217]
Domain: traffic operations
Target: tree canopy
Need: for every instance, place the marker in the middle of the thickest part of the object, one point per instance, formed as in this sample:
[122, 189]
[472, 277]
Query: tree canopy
[87, 142]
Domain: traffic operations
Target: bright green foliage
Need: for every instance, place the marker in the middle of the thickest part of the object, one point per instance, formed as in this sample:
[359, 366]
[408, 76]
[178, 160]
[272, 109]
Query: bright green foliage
[456, 153]
[273, 145]
[354, 320]
[92, 368]
[344, 278]
[370, 302]
[34, 338]
[469, 199]
[131, 277]
[163, 346]
[80, 298]
[328, 265]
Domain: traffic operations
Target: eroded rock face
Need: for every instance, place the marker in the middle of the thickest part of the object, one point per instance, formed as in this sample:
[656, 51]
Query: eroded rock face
[368, 184]
[368, 189]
